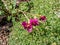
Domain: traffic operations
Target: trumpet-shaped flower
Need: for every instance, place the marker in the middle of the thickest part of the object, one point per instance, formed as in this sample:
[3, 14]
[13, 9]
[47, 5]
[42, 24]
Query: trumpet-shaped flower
[34, 21]
[27, 26]
[42, 18]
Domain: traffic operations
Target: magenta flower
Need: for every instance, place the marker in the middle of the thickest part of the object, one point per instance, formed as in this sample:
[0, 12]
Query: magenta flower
[43, 18]
[34, 21]
[27, 26]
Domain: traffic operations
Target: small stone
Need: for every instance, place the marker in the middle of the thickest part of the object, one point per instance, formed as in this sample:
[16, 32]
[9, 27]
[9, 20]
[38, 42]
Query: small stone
[57, 13]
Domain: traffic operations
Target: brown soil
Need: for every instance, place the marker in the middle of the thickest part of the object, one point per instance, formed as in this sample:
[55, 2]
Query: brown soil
[4, 30]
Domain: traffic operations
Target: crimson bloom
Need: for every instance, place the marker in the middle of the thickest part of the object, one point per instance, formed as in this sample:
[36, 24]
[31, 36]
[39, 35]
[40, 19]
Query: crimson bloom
[34, 21]
[27, 26]
[43, 18]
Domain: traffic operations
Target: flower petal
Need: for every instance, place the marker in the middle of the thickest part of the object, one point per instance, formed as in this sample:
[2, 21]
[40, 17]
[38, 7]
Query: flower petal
[42, 18]
[34, 21]
[29, 30]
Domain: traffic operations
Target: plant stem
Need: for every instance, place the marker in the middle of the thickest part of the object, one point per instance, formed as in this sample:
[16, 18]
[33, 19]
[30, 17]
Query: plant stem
[26, 12]
[26, 16]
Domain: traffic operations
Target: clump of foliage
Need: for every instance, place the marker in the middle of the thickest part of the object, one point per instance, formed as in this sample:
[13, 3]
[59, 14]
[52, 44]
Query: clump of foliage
[46, 33]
